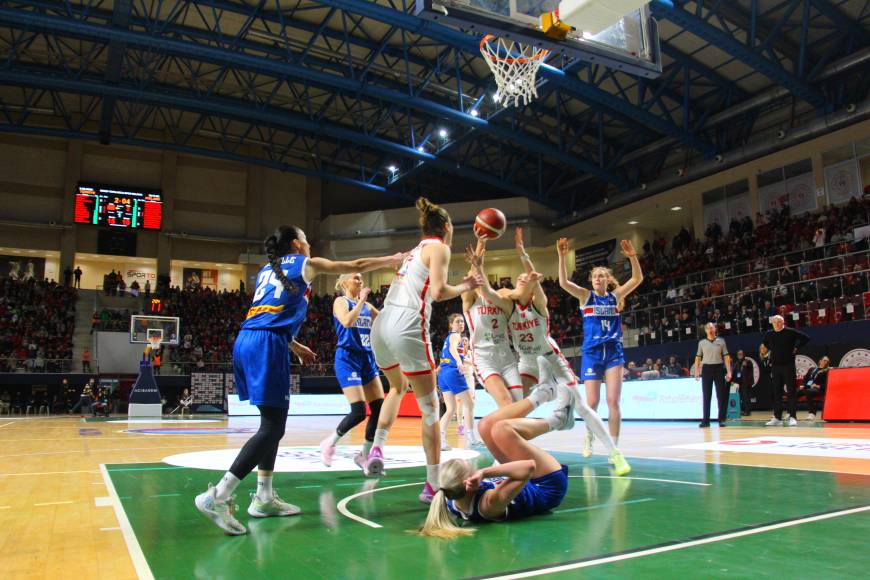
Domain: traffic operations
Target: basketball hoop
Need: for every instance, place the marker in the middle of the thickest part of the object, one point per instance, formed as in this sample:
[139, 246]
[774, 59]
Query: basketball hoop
[515, 66]
[153, 344]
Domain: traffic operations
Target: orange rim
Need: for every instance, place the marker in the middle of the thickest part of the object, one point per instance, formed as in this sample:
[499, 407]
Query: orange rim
[510, 60]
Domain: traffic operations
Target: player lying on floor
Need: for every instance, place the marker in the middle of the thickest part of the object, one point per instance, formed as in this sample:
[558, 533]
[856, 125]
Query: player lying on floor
[528, 480]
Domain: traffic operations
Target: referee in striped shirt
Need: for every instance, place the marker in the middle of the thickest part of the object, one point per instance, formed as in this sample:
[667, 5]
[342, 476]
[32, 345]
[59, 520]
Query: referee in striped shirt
[713, 365]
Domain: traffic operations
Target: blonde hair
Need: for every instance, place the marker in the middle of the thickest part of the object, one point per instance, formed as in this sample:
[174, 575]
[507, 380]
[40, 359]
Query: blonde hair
[611, 282]
[439, 521]
[339, 284]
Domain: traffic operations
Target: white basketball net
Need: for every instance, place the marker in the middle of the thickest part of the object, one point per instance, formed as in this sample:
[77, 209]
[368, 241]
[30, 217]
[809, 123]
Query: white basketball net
[515, 66]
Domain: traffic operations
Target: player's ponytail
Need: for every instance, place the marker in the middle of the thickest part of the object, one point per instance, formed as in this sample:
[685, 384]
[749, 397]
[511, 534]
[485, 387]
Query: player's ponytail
[439, 521]
[433, 218]
[280, 244]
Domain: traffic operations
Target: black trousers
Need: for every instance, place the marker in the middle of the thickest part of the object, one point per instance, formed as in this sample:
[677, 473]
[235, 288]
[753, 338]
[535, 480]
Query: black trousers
[784, 376]
[710, 375]
[745, 398]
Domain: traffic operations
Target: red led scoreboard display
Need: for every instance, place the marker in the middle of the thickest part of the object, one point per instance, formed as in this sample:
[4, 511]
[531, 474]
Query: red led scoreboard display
[118, 207]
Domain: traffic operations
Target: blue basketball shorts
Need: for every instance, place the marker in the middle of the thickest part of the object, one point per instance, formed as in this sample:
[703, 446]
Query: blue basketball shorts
[450, 380]
[261, 367]
[354, 368]
[598, 359]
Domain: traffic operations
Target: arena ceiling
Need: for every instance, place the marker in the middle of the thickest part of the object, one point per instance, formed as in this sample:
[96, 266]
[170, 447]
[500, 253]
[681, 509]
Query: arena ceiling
[368, 95]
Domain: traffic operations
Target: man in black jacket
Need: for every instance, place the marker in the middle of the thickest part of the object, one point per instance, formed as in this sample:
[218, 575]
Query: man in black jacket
[783, 344]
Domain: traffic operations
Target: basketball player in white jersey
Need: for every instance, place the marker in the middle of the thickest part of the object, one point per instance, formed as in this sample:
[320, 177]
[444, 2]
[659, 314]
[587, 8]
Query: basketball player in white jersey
[487, 312]
[530, 333]
[400, 338]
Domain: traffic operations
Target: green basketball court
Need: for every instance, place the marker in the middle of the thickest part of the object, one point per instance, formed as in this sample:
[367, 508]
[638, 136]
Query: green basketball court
[667, 519]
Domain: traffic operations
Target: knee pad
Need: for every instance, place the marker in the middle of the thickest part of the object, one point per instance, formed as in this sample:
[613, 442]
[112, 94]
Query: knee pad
[428, 407]
[357, 411]
[375, 406]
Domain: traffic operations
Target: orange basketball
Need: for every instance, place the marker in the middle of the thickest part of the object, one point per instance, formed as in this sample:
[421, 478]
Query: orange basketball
[490, 223]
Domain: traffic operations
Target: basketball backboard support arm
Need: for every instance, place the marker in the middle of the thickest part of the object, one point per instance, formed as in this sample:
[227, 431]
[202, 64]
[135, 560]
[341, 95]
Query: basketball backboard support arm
[479, 17]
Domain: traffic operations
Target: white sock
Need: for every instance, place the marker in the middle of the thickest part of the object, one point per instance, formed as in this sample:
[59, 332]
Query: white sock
[593, 422]
[537, 397]
[367, 446]
[380, 438]
[333, 439]
[226, 486]
[616, 440]
[264, 487]
[432, 476]
[556, 419]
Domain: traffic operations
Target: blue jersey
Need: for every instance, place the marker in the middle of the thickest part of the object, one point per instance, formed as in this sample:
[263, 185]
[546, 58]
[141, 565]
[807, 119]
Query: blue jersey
[358, 336]
[447, 359]
[276, 308]
[539, 496]
[601, 320]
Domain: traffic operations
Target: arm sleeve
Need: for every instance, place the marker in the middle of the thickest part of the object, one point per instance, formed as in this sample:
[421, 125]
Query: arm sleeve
[801, 339]
[724, 348]
[700, 353]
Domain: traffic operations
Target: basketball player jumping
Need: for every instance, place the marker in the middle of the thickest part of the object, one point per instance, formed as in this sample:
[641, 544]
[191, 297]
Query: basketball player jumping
[400, 337]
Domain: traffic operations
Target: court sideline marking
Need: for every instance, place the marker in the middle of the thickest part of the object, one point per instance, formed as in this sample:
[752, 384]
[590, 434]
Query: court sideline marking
[135, 550]
[342, 505]
[720, 462]
[672, 546]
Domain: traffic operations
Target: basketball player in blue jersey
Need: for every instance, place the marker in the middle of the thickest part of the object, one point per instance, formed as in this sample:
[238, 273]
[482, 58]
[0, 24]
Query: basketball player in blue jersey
[451, 381]
[261, 368]
[355, 365]
[602, 332]
[526, 482]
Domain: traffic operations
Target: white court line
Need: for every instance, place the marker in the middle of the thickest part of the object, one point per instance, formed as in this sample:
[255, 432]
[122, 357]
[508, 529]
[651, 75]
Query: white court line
[701, 461]
[133, 547]
[97, 450]
[48, 473]
[681, 546]
[342, 505]
[5, 424]
[104, 501]
[54, 503]
[110, 529]
[642, 479]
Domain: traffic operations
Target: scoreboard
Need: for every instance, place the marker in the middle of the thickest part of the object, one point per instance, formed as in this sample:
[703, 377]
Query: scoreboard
[118, 207]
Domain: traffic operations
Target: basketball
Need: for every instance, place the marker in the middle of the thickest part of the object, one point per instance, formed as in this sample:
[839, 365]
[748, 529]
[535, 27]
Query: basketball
[490, 223]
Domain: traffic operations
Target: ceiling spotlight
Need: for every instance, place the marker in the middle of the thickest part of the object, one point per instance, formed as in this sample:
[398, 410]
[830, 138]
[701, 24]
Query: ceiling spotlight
[780, 134]
[632, 222]
[442, 133]
[719, 159]
[392, 168]
[851, 108]
[643, 186]
[677, 208]
[681, 172]
[421, 149]
[474, 113]
[496, 97]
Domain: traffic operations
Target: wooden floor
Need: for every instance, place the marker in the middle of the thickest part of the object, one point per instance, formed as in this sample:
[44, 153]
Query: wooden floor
[58, 520]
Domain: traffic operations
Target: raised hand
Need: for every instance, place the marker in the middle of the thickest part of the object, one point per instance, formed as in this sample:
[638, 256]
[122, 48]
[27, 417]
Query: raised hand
[473, 481]
[475, 280]
[627, 249]
[364, 293]
[472, 257]
[562, 246]
[518, 240]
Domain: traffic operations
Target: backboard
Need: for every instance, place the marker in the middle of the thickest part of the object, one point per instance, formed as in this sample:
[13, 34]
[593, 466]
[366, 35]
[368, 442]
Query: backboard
[144, 327]
[630, 45]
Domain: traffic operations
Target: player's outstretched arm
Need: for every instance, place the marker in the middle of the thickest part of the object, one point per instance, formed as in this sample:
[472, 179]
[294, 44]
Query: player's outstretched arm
[636, 273]
[475, 258]
[315, 266]
[439, 259]
[565, 283]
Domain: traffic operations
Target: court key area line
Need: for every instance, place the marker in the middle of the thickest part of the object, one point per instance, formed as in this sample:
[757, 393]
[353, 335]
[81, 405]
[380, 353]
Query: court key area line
[342, 505]
[676, 544]
[642, 479]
